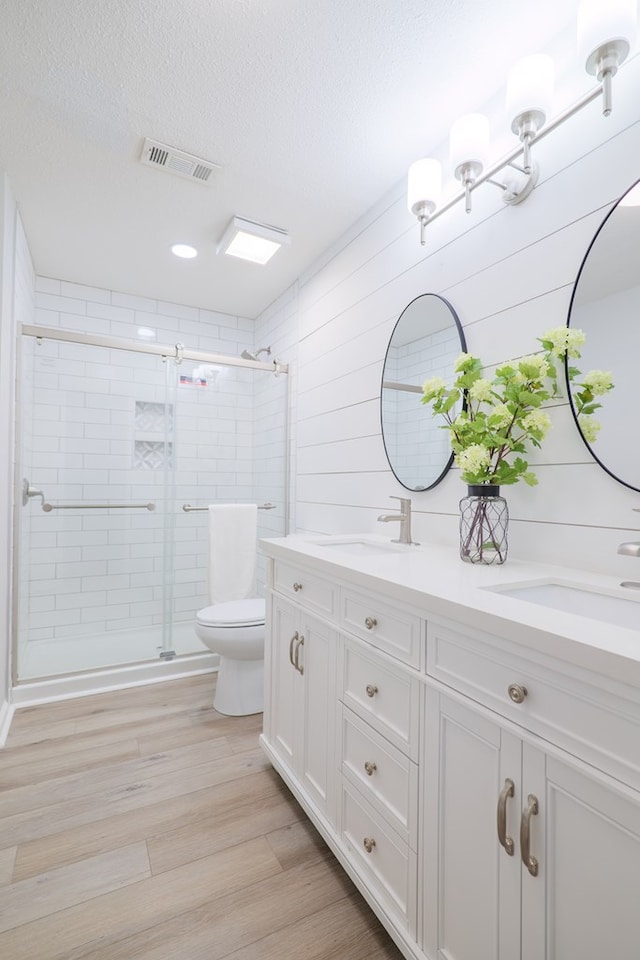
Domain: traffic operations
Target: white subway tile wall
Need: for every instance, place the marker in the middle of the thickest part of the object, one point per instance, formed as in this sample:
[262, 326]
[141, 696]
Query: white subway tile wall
[102, 425]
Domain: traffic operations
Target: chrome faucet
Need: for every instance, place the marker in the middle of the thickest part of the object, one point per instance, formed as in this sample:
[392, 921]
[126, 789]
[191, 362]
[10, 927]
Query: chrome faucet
[405, 520]
[631, 549]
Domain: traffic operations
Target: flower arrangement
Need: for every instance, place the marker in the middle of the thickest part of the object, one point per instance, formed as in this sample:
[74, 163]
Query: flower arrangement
[492, 422]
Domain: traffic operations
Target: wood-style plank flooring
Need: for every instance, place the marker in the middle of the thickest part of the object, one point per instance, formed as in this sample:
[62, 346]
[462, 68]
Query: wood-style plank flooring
[142, 825]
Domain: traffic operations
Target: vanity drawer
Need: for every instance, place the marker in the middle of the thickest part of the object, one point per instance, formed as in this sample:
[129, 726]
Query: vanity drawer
[384, 775]
[385, 861]
[309, 590]
[583, 718]
[381, 692]
[390, 628]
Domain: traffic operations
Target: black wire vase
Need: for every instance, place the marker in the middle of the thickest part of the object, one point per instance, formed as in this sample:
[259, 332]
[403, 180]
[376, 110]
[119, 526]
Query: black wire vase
[484, 523]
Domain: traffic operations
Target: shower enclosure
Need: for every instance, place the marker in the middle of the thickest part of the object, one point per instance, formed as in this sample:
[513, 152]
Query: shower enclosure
[122, 445]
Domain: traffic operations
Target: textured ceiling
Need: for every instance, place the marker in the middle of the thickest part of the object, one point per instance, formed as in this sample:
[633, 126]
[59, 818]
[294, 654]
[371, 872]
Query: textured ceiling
[313, 109]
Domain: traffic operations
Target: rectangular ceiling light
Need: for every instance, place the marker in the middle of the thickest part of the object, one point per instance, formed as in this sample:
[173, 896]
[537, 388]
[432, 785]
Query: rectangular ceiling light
[251, 241]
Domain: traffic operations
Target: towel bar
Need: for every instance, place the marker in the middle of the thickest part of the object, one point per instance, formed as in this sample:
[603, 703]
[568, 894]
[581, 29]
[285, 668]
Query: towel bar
[261, 506]
[48, 507]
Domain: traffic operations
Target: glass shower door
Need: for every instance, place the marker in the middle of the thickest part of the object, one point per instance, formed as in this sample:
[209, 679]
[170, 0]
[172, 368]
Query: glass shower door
[95, 532]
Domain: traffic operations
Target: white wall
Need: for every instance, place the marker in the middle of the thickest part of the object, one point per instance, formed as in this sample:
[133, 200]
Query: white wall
[509, 274]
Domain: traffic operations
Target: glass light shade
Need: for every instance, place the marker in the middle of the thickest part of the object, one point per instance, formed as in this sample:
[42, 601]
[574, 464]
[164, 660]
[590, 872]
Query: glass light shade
[530, 86]
[469, 140]
[424, 185]
[603, 21]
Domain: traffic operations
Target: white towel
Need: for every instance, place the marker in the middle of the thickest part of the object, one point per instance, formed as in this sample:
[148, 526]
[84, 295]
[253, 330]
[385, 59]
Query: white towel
[232, 551]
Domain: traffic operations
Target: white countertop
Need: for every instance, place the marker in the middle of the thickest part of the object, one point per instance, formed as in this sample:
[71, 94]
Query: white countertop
[435, 580]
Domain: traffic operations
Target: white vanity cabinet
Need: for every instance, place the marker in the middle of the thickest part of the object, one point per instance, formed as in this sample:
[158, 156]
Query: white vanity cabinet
[540, 857]
[539, 851]
[377, 752]
[342, 725]
[300, 715]
[482, 792]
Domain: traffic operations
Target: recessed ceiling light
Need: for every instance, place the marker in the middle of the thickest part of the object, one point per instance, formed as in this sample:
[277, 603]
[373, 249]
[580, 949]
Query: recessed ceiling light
[252, 241]
[184, 250]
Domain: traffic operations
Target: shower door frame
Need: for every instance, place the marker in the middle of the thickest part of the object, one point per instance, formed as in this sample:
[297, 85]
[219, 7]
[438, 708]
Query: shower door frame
[177, 352]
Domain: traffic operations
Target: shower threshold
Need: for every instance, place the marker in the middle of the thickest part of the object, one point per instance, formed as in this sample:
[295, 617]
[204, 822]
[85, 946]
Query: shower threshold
[60, 656]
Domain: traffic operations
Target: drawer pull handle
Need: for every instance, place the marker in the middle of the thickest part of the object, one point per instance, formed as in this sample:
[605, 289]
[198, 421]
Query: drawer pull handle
[370, 768]
[370, 623]
[525, 835]
[297, 587]
[371, 690]
[296, 662]
[517, 692]
[507, 791]
[291, 643]
[369, 843]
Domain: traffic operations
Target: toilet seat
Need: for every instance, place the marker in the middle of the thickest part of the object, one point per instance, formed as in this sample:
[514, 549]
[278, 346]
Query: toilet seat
[233, 613]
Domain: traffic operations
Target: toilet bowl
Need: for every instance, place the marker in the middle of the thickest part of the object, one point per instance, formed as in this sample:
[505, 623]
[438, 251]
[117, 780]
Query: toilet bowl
[235, 630]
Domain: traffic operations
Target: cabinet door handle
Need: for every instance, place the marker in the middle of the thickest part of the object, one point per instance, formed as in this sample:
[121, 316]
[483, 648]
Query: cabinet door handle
[296, 662]
[371, 690]
[507, 791]
[297, 587]
[370, 768]
[370, 623]
[291, 643]
[525, 835]
[369, 843]
[517, 692]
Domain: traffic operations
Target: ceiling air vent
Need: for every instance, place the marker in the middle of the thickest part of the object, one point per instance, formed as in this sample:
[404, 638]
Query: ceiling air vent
[155, 154]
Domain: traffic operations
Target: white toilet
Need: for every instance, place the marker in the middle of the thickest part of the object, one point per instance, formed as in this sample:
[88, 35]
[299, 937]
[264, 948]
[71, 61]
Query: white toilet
[235, 630]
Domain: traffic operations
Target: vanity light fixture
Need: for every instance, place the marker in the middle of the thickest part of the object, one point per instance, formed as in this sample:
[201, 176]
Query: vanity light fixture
[469, 150]
[424, 190]
[606, 35]
[529, 99]
[606, 32]
[252, 241]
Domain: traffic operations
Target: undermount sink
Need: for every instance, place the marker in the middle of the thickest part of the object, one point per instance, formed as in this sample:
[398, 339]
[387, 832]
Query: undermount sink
[362, 548]
[581, 599]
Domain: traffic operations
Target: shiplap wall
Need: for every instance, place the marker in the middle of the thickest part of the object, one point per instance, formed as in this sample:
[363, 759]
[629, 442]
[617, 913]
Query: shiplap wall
[509, 273]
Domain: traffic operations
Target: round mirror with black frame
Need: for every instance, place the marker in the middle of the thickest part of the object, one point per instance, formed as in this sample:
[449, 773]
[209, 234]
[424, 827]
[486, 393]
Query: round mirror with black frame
[605, 304]
[425, 343]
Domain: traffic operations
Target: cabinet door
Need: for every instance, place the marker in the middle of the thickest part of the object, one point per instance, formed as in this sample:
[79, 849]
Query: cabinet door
[317, 708]
[585, 901]
[283, 726]
[471, 902]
